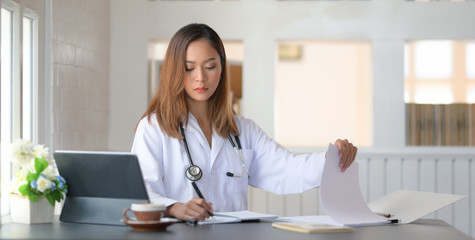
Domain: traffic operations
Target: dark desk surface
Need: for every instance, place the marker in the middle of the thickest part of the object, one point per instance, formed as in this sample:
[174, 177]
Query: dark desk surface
[421, 229]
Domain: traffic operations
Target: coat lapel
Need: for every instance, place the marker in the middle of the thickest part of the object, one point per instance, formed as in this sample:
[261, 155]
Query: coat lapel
[194, 128]
[217, 144]
[216, 140]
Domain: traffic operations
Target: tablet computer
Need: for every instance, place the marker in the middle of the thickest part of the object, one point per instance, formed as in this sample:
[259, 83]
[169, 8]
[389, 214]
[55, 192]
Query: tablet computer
[100, 185]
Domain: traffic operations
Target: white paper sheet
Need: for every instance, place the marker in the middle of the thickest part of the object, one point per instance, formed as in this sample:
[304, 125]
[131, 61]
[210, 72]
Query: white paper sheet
[408, 206]
[247, 215]
[341, 196]
[342, 200]
[218, 220]
[238, 216]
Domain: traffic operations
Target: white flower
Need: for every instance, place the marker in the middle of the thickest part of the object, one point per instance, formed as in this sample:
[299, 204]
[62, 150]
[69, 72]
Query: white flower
[40, 151]
[50, 172]
[29, 168]
[22, 152]
[43, 184]
[21, 175]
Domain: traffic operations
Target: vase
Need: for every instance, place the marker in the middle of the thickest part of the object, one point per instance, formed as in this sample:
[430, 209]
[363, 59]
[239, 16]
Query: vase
[24, 211]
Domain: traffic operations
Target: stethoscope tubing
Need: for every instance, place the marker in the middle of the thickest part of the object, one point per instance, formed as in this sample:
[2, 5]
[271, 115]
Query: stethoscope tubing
[194, 173]
[186, 144]
[238, 150]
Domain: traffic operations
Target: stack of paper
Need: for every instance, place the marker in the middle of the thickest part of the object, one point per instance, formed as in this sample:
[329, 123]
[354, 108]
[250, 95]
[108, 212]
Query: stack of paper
[340, 193]
[342, 200]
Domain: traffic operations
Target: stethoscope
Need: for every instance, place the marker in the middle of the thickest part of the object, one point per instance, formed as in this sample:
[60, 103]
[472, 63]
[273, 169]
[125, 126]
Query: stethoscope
[194, 173]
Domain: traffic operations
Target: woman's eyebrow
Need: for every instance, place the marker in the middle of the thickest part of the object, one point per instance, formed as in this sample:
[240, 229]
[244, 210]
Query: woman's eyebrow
[208, 60]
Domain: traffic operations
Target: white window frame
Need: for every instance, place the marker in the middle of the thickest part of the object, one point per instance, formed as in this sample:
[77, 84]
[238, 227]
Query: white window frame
[458, 82]
[33, 121]
[8, 135]
[15, 123]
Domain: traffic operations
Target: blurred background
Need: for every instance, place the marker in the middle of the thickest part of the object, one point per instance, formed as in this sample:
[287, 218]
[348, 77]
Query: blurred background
[395, 77]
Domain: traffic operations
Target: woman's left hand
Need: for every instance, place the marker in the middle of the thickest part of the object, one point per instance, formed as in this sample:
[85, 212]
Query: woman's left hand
[347, 153]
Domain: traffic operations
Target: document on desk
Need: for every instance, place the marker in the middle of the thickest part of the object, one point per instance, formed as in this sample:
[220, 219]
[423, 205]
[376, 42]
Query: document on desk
[408, 206]
[341, 198]
[218, 220]
[238, 216]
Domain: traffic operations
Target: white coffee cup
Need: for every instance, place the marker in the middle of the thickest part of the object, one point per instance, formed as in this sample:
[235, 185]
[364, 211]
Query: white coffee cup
[145, 211]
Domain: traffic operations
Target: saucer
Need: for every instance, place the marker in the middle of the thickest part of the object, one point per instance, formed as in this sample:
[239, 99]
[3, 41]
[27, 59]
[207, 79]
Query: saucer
[145, 226]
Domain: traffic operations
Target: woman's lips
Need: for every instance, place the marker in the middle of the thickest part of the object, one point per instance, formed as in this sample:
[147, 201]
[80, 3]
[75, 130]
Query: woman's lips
[201, 89]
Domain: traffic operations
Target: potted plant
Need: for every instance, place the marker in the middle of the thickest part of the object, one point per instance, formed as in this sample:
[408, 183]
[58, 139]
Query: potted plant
[37, 185]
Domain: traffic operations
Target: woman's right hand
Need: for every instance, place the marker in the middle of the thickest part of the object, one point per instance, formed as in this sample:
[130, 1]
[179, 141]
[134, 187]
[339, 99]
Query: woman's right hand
[196, 209]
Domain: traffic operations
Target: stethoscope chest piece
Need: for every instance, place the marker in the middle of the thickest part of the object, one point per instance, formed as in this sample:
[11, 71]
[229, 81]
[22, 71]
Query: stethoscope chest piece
[194, 173]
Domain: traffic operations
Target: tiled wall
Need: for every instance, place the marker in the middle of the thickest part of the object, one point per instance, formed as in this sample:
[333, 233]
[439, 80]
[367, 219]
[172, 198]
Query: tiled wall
[81, 74]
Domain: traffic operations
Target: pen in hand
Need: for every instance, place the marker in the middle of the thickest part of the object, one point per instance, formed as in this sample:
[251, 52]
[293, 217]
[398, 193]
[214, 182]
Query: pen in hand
[190, 222]
[200, 196]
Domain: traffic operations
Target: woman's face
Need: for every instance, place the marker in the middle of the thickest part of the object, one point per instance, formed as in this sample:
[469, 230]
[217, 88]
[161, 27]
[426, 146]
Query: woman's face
[203, 70]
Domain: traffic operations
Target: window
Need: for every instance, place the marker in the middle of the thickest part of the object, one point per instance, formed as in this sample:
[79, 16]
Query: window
[331, 82]
[439, 92]
[470, 62]
[27, 78]
[6, 99]
[18, 86]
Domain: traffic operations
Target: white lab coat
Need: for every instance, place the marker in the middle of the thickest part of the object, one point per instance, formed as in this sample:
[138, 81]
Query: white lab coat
[163, 161]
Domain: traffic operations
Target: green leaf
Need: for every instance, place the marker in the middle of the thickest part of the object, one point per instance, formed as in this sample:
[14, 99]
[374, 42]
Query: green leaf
[25, 189]
[40, 165]
[33, 197]
[57, 195]
[50, 198]
[32, 176]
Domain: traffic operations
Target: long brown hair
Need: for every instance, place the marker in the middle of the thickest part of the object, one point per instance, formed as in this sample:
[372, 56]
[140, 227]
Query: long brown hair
[169, 102]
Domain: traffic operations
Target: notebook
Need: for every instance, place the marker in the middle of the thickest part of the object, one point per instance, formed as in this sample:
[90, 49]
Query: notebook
[238, 216]
[100, 185]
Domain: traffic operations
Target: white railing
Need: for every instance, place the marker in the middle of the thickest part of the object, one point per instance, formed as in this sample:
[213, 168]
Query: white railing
[382, 171]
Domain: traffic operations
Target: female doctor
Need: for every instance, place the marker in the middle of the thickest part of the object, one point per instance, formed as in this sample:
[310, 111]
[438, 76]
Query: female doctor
[191, 146]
